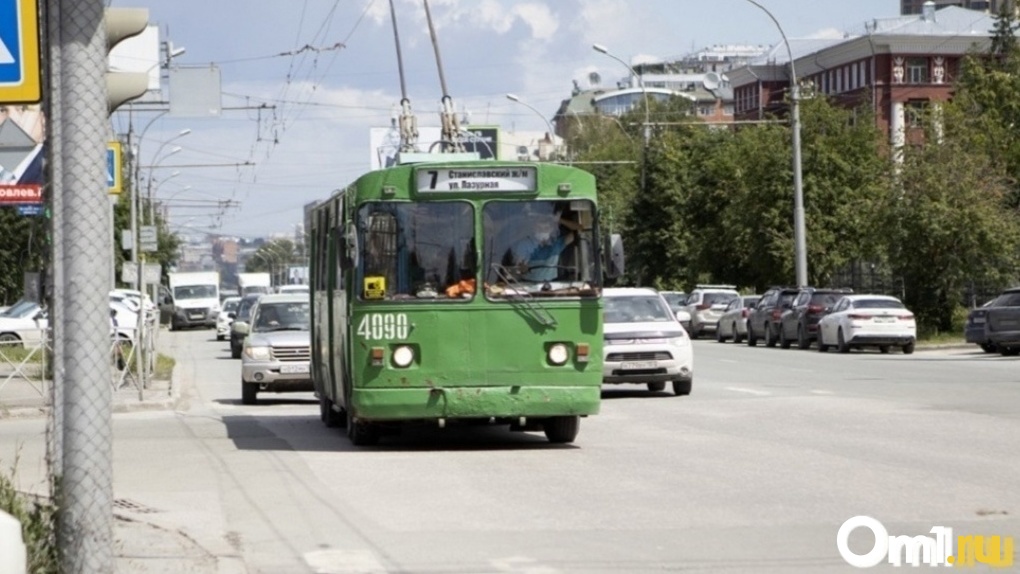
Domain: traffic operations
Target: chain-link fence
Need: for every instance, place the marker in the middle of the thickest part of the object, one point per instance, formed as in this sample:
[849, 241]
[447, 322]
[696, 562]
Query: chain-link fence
[26, 363]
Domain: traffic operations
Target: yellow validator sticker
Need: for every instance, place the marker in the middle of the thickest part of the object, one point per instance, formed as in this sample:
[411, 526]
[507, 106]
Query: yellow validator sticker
[375, 288]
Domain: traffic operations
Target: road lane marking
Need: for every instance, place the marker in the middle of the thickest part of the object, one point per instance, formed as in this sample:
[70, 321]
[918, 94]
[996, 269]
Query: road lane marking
[344, 562]
[755, 392]
[821, 392]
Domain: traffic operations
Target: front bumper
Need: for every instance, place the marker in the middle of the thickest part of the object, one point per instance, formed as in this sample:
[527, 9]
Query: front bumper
[277, 375]
[195, 317]
[394, 404]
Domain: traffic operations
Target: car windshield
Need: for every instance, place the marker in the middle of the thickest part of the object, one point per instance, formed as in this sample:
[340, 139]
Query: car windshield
[244, 308]
[636, 309]
[877, 304]
[1006, 300]
[195, 292]
[22, 308]
[825, 299]
[230, 306]
[292, 316]
[675, 300]
[717, 298]
[751, 301]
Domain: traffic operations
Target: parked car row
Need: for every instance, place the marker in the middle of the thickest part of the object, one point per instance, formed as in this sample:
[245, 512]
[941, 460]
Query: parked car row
[834, 318]
[26, 323]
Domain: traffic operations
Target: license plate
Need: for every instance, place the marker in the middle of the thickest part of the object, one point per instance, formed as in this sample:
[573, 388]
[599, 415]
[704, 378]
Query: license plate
[196, 315]
[885, 319]
[638, 365]
[294, 369]
[978, 320]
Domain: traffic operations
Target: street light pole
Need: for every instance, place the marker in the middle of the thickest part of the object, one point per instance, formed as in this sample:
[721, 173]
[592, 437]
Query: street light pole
[548, 124]
[641, 82]
[799, 228]
[648, 126]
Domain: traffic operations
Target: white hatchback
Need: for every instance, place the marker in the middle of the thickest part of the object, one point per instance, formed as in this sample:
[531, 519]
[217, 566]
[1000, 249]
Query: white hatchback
[868, 320]
[644, 342]
[224, 320]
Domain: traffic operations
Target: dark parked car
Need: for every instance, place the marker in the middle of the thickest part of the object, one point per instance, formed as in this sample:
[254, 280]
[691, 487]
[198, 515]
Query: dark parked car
[1002, 323]
[800, 323]
[974, 331]
[763, 321]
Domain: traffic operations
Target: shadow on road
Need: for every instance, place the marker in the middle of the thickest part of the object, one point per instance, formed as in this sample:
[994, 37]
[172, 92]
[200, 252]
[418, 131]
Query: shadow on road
[309, 434]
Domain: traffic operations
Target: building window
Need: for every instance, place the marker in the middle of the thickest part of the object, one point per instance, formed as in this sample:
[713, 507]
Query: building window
[917, 70]
[915, 112]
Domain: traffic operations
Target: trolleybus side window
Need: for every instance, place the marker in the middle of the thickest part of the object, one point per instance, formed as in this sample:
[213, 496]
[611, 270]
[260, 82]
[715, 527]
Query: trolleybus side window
[417, 251]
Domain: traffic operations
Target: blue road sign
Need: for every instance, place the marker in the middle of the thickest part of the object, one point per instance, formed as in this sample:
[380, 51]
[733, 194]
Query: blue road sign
[20, 80]
[30, 209]
[114, 167]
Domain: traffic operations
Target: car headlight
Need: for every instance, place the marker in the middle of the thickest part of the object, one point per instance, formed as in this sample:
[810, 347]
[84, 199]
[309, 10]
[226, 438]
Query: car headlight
[403, 356]
[257, 353]
[558, 354]
[678, 341]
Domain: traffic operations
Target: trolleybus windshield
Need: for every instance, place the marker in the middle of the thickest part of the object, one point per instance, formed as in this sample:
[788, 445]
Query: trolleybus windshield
[539, 248]
[417, 251]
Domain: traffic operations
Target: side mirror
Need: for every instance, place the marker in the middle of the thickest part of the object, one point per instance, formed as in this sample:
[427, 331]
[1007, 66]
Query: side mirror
[615, 258]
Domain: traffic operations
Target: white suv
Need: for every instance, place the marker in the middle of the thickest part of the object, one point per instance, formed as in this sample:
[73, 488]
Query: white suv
[706, 304]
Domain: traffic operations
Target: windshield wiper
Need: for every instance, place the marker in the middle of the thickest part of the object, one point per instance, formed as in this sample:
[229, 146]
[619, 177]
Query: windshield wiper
[516, 293]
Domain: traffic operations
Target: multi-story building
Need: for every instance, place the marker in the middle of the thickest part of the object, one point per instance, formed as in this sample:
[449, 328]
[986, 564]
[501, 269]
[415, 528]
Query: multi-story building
[699, 77]
[899, 65]
[917, 6]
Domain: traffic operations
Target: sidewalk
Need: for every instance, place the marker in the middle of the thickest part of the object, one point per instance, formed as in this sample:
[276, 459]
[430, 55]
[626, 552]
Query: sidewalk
[142, 543]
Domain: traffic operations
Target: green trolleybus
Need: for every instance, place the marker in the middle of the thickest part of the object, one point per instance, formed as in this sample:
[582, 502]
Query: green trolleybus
[448, 290]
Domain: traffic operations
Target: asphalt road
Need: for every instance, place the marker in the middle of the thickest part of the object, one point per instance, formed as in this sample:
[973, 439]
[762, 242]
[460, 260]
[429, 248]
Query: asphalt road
[754, 472]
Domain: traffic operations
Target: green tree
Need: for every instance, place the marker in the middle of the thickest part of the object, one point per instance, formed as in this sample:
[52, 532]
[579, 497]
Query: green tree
[25, 248]
[949, 224]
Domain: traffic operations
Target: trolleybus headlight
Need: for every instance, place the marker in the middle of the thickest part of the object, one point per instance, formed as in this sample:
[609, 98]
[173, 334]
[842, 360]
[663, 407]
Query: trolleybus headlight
[403, 356]
[558, 354]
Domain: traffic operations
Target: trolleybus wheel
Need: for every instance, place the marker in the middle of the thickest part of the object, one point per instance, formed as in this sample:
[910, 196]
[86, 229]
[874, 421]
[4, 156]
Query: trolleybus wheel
[329, 414]
[562, 429]
[360, 433]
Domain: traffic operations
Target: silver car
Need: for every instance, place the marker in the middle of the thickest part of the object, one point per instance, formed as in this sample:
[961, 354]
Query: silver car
[706, 304]
[277, 350]
[733, 322]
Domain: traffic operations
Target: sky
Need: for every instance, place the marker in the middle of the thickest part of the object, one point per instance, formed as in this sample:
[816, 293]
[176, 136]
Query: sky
[303, 82]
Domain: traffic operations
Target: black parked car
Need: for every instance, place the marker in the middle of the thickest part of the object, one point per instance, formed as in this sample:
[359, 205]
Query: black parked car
[1002, 323]
[800, 323]
[763, 322]
[974, 331]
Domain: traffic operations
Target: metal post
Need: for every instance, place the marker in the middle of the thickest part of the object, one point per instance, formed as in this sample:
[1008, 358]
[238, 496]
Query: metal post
[799, 226]
[85, 532]
[54, 138]
[548, 124]
[647, 132]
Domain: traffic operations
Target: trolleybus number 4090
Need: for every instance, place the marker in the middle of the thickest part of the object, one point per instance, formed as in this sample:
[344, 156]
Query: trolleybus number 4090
[383, 326]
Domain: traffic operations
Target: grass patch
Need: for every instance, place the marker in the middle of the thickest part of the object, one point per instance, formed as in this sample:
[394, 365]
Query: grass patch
[164, 366]
[940, 338]
[38, 517]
